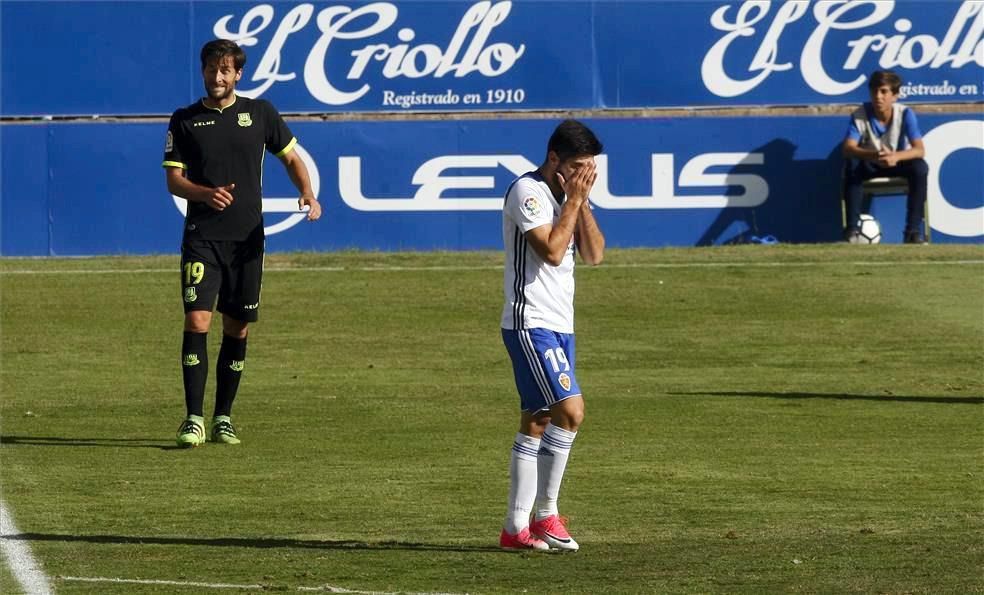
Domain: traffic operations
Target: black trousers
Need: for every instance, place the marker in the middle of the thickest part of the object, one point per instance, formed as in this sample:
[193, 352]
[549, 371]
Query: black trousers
[914, 171]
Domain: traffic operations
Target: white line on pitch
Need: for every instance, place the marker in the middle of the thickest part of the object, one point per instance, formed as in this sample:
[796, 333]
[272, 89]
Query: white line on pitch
[201, 585]
[331, 589]
[24, 567]
[627, 265]
[138, 581]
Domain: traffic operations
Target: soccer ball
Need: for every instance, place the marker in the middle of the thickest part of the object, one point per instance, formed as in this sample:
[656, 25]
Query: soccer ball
[869, 232]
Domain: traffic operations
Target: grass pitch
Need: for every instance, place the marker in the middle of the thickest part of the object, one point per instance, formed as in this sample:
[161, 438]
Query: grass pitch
[759, 419]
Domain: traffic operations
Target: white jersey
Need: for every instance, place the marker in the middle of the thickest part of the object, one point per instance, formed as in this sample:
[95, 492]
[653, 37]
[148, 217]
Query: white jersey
[537, 294]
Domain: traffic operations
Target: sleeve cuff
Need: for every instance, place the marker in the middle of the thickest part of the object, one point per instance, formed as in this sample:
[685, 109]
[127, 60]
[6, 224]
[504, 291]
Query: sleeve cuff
[174, 164]
[288, 148]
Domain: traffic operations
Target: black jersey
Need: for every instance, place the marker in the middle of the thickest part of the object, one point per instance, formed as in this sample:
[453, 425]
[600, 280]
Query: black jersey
[221, 147]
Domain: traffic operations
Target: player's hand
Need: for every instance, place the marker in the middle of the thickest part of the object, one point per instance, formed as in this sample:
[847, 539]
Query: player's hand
[314, 213]
[580, 184]
[219, 198]
[887, 158]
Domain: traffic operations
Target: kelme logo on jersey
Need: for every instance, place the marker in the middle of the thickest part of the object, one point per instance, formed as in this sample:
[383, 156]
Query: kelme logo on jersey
[532, 206]
[169, 142]
[190, 294]
[237, 365]
[191, 360]
[565, 381]
[245, 120]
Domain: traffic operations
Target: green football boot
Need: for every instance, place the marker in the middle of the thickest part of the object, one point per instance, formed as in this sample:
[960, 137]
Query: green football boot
[192, 432]
[223, 431]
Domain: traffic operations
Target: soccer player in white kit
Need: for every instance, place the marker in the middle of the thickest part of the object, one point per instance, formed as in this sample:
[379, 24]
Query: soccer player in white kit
[545, 218]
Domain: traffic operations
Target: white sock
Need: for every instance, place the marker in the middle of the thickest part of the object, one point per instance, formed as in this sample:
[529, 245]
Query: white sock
[551, 461]
[522, 484]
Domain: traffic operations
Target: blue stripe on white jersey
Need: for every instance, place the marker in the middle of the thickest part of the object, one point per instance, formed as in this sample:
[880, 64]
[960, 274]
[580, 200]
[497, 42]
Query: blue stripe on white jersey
[519, 266]
[519, 285]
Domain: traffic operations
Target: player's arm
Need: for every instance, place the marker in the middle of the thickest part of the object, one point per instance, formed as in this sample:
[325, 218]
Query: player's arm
[298, 174]
[174, 170]
[917, 150]
[888, 158]
[178, 185]
[588, 237]
[851, 150]
[550, 241]
[910, 130]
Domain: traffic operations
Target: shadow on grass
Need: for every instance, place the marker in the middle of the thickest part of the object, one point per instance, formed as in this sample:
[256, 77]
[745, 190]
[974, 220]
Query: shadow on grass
[104, 442]
[259, 543]
[836, 396]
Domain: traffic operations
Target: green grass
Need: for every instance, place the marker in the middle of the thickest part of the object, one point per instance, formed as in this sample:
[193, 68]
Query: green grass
[759, 420]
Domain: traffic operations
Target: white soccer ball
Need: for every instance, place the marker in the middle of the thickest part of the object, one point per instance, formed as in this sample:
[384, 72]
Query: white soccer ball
[869, 232]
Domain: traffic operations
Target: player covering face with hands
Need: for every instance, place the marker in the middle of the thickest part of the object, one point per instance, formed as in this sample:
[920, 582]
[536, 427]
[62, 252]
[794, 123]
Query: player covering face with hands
[213, 158]
[546, 218]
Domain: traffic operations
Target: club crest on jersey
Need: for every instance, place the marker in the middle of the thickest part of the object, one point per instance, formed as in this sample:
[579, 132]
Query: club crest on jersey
[532, 206]
[245, 120]
[190, 294]
[169, 142]
[565, 381]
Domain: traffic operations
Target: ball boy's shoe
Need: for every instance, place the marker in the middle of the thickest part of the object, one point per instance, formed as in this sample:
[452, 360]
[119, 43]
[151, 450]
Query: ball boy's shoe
[913, 237]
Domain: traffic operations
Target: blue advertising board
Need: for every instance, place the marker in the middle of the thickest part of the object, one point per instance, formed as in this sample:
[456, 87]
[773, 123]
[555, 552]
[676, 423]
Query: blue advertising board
[141, 57]
[98, 188]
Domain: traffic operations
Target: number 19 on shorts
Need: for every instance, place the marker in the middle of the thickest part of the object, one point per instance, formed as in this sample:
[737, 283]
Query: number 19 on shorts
[557, 358]
[193, 273]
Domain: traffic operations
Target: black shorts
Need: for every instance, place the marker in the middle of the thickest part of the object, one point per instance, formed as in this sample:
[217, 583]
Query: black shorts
[229, 271]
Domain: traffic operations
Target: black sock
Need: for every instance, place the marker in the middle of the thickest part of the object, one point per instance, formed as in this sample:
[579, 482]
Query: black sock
[194, 368]
[228, 371]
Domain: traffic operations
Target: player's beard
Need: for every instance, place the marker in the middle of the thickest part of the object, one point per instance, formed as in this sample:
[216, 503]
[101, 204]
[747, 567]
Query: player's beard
[219, 96]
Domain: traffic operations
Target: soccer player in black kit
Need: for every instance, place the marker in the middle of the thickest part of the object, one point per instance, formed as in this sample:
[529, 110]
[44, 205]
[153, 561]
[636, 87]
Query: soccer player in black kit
[213, 157]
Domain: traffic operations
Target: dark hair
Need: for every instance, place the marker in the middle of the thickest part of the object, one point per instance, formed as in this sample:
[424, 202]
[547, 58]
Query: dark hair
[571, 138]
[219, 49]
[885, 77]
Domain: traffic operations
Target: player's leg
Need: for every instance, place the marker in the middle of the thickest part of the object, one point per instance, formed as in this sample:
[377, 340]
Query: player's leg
[232, 361]
[566, 416]
[228, 372]
[239, 303]
[854, 175]
[555, 449]
[916, 172]
[200, 280]
[522, 482]
[515, 533]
